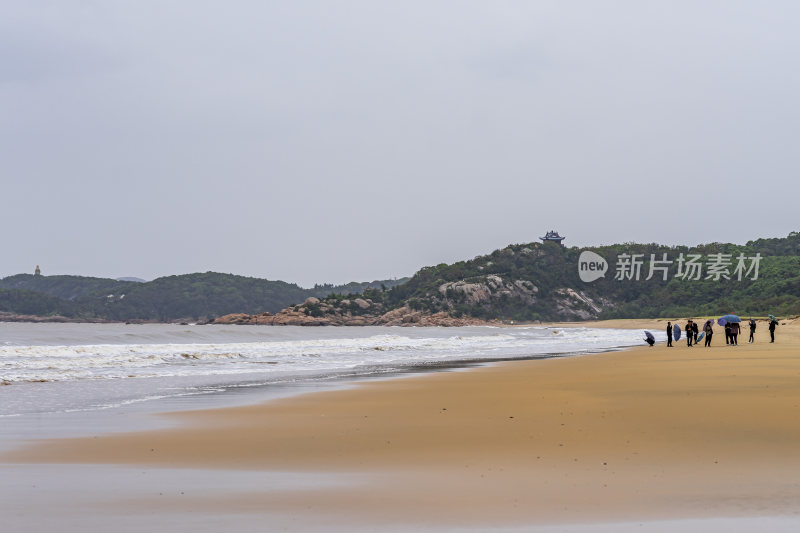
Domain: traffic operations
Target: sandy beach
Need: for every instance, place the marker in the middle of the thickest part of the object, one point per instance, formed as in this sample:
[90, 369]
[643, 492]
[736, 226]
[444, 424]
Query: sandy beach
[646, 434]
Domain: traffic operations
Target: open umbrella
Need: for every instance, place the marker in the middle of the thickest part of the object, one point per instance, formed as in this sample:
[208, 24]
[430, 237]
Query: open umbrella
[728, 318]
[649, 338]
[772, 318]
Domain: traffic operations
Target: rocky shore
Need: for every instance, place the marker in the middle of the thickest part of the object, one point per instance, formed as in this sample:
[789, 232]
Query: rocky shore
[356, 312]
[292, 316]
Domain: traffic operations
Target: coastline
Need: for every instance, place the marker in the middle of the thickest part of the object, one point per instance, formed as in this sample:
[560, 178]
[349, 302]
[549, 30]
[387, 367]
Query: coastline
[38, 319]
[430, 321]
[640, 434]
[419, 320]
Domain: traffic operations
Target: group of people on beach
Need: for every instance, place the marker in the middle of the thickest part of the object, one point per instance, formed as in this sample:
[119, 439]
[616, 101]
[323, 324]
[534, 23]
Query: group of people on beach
[732, 332]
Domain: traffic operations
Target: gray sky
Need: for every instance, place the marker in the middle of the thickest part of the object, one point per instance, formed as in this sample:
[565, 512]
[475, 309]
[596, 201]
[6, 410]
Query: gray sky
[338, 141]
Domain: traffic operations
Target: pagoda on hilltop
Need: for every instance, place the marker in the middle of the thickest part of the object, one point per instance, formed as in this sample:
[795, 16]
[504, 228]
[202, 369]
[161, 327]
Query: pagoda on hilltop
[552, 236]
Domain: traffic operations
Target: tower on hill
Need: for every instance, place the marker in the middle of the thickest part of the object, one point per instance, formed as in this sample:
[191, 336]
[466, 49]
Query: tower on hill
[552, 236]
[38, 271]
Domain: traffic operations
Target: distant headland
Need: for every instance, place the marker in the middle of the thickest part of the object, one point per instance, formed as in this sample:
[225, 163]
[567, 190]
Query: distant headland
[538, 281]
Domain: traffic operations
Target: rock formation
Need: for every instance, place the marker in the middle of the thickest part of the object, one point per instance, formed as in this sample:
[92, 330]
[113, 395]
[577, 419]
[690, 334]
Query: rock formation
[301, 315]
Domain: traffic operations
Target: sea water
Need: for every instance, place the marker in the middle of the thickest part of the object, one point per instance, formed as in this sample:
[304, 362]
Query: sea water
[50, 368]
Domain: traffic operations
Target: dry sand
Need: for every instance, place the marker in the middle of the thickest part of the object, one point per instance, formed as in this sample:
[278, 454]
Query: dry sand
[644, 434]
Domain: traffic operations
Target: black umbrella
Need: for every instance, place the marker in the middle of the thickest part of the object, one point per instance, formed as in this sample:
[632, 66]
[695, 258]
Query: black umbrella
[649, 338]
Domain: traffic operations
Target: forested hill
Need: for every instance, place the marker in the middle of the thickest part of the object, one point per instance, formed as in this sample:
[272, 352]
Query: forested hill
[523, 282]
[63, 287]
[541, 281]
[198, 296]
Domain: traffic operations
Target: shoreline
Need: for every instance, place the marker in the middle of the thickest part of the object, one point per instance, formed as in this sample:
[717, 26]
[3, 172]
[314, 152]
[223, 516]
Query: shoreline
[254, 320]
[639, 434]
[256, 387]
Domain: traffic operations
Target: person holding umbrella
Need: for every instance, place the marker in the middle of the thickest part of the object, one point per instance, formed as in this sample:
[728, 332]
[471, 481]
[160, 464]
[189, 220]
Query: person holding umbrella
[669, 334]
[772, 323]
[649, 338]
[709, 331]
[732, 329]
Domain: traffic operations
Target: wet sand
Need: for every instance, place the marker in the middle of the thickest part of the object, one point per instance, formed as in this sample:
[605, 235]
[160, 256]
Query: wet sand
[646, 434]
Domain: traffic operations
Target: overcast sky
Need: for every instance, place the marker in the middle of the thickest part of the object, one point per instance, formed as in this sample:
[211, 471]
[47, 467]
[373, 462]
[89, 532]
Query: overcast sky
[334, 141]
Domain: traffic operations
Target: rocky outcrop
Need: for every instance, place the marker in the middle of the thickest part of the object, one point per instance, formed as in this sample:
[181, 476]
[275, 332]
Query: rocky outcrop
[300, 315]
[243, 318]
[473, 293]
[451, 304]
[405, 316]
[572, 304]
[491, 288]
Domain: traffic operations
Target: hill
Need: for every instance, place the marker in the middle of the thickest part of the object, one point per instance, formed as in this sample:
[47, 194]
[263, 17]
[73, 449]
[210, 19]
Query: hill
[541, 281]
[199, 297]
[521, 282]
[63, 287]
[24, 302]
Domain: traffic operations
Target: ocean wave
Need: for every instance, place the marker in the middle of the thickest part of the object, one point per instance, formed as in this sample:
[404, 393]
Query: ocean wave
[120, 361]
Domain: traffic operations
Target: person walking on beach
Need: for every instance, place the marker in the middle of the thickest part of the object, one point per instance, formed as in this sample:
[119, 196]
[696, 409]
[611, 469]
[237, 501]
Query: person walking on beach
[689, 333]
[735, 330]
[695, 331]
[772, 324]
[669, 334]
[709, 331]
[752, 331]
[727, 333]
